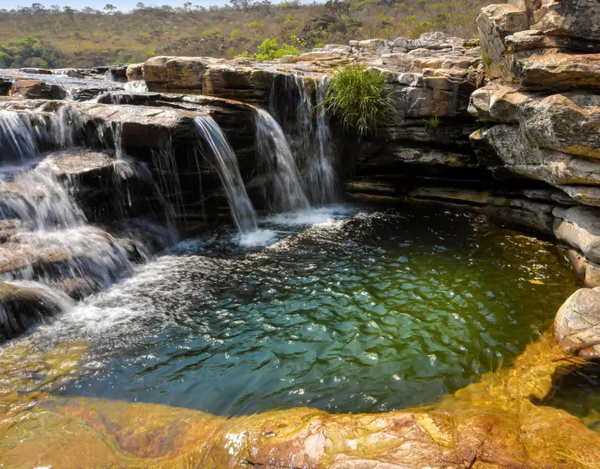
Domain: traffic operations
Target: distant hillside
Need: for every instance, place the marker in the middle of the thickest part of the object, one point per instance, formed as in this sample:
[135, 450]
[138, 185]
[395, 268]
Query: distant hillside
[64, 37]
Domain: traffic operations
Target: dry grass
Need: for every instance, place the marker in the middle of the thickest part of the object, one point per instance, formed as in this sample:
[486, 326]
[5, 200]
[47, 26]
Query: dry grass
[94, 38]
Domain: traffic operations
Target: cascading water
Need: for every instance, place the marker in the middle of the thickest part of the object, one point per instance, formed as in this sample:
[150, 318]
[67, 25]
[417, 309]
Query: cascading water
[54, 236]
[23, 134]
[164, 162]
[227, 166]
[18, 137]
[317, 148]
[321, 172]
[46, 240]
[136, 86]
[279, 165]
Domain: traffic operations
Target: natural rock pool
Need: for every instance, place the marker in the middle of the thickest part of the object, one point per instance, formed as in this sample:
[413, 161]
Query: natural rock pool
[347, 310]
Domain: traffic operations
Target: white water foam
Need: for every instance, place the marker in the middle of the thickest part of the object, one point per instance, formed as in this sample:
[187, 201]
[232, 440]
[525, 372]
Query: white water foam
[136, 86]
[257, 238]
[313, 216]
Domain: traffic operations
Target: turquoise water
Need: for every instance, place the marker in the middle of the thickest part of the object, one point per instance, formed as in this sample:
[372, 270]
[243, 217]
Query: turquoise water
[363, 311]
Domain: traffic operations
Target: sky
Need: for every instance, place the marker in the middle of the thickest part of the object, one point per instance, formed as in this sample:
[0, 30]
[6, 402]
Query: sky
[123, 5]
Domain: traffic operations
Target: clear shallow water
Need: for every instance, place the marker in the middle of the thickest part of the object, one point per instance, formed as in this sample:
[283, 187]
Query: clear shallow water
[578, 394]
[361, 312]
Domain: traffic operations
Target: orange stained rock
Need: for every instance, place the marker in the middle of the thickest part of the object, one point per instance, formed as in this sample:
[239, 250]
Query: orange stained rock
[496, 423]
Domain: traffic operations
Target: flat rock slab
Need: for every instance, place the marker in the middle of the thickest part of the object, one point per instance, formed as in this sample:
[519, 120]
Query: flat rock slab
[36, 89]
[75, 162]
[577, 323]
[558, 71]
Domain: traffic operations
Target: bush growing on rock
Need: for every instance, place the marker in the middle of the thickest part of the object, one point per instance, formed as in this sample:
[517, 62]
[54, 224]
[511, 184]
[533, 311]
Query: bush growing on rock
[270, 50]
[359, 98]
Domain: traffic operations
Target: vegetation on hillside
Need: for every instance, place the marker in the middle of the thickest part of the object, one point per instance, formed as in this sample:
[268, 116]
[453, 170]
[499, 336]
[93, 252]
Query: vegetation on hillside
[29, 52]
[88, 37]
[269, 49]
[359, 98]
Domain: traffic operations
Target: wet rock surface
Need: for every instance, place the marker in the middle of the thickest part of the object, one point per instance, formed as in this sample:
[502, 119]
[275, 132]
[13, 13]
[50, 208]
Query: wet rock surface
[35, 89]
[23, 305]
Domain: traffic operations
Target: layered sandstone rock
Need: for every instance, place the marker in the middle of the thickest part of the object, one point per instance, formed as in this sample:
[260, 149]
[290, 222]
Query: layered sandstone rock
[542, 45]
[542, 112]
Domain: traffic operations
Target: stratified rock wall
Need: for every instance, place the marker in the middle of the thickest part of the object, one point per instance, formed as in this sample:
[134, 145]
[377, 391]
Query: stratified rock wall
[541, 111]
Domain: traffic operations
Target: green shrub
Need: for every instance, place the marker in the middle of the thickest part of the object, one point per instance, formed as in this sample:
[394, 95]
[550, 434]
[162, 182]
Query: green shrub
[236, 35]
[359, 97]
[270, 50]
[256, 25]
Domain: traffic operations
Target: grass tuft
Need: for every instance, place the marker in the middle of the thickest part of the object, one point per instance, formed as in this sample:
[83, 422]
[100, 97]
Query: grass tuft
[433, 122]
[359, 97]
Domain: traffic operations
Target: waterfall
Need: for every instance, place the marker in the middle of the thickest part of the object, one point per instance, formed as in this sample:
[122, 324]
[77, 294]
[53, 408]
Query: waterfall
[19, 138]
[39, 201]
[316, 146]
[23, 134]
[276, 157]
[227, 166]
[52, 241]
[47, 242]
[136, 86]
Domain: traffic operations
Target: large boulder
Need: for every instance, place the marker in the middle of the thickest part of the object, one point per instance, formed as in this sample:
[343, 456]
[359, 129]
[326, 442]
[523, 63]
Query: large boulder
[176, 74]
[577, 323]
[135, 72]
[495, 23]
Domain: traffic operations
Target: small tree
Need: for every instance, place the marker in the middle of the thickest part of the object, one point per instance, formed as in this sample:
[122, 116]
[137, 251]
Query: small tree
[339, 8]
[70, 13]
[241, 4]
[110, 8]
